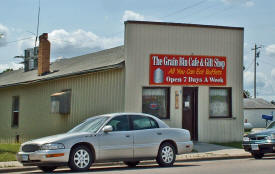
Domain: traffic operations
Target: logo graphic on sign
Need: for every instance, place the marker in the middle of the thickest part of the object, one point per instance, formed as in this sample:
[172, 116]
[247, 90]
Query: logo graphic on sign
[187, 70]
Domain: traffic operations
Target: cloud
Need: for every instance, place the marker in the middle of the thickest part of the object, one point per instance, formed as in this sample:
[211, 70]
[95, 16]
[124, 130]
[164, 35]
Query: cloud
[247, 3]
[11, 65]
[3, 35]
[273, 73]
[270, 50]
[69, 44]
[262, 80]
[130, 15]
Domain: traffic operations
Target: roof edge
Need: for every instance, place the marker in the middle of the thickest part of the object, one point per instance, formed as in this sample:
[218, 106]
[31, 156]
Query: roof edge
[183, 24]
[109, 67]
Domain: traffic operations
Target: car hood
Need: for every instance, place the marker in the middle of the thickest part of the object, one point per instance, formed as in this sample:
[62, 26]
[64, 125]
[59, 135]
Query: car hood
[58, 138]
[264, 132]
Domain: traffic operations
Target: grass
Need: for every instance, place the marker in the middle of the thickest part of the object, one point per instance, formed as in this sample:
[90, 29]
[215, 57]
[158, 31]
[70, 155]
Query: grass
[237, 145]
[195, 151]
[8, 152]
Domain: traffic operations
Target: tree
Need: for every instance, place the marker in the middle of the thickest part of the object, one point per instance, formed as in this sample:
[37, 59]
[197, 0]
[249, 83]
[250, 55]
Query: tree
[7, 70]
[246, 94]
[272, 102]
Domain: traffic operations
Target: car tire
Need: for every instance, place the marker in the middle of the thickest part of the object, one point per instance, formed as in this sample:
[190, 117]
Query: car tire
[47, 168]
[257, 155]
[80, 158]
[131, 163]
[166, 155]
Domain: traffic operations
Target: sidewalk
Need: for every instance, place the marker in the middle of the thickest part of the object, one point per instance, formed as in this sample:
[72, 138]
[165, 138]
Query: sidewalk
[211, 151]
[205, 152]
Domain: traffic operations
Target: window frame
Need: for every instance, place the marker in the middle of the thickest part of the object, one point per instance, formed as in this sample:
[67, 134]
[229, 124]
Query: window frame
[168, 90]
[65, 106]
[14, 110]
[229, 100]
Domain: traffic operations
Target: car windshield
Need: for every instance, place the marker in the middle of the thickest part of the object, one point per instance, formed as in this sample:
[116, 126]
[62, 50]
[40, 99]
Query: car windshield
[91, 125]
[271, 126]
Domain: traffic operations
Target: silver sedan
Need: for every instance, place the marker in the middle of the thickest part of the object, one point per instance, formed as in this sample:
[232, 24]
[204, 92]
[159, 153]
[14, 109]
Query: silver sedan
[128, 137]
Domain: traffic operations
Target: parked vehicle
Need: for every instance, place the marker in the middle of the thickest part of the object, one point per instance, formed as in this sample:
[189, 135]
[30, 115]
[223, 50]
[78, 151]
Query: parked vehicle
[261, 142]
[128, 137]
[248, 126]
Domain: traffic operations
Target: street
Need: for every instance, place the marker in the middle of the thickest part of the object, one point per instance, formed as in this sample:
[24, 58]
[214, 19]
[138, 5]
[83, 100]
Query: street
[239, 166]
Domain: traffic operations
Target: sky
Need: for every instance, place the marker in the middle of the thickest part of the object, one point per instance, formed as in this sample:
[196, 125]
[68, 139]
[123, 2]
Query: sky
[78, 27]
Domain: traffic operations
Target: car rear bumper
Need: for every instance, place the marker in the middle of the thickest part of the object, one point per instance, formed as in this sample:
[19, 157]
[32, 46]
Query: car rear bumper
[185, 147]
[58, 157]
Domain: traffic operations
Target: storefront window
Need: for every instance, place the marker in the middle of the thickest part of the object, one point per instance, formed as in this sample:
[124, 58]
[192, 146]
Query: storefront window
[155, 101]
[220, 102]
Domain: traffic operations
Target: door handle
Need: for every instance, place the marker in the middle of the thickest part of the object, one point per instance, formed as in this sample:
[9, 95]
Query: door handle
[159, 133]
[127, 136]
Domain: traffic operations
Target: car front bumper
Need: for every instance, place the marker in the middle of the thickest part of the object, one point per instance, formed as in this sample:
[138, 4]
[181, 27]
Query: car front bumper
[58, 157]
[263, 147]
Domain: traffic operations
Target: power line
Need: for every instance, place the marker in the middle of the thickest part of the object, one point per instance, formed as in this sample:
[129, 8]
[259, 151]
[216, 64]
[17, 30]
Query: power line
[197, 12]
[183, 9]
[20, 40]
[221, 11]
[249, 65]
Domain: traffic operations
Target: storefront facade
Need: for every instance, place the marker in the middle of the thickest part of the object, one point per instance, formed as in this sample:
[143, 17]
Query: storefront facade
[188, 75]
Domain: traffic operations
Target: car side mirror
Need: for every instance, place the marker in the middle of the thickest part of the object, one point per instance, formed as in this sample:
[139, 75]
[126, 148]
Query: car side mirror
[107, 129]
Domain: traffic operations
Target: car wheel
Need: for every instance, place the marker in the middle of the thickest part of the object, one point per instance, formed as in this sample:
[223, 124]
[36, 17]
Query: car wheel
[47, 168]
[131, 163]
[257, 155]
[166, 155]
[80, 158]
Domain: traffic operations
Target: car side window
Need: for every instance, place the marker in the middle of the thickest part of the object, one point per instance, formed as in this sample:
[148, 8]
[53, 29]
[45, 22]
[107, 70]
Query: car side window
[120, 123]
[142, 122]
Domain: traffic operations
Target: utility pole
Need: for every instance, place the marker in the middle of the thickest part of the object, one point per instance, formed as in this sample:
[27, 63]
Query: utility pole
[256, 55]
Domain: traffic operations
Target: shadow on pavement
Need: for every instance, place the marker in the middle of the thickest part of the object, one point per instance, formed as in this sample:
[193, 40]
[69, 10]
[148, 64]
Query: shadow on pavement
[119, 168]
[206, 147]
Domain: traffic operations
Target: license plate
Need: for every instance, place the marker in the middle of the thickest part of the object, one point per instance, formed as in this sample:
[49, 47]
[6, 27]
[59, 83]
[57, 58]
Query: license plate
[24, 157]
[254, 146]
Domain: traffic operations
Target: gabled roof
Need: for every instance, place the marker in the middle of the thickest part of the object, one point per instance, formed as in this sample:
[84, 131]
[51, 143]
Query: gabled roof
[257, 103]
[106, 59]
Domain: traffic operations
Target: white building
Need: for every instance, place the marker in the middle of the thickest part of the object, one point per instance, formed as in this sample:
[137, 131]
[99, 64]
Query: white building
[254, 108]
[201, 76]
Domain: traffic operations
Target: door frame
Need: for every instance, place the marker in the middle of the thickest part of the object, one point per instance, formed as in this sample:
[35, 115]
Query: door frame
[195, 111]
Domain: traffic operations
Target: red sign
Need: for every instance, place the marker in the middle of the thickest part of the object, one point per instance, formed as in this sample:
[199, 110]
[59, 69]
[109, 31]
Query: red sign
[187, 70]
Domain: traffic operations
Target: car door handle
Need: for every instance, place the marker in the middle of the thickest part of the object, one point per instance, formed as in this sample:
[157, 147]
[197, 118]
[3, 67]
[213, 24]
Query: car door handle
[159, 133]
[127, 136]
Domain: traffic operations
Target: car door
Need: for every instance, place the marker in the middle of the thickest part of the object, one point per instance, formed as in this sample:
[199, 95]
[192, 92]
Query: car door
[117, 144]
[147, 136]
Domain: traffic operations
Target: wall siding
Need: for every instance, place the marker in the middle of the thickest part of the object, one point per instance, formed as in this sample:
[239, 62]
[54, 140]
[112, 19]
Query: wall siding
[254, 116]
[141, 40]
[92, 94]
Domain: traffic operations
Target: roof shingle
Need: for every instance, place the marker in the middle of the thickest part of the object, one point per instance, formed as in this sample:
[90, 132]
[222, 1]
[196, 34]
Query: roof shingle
[106, 59]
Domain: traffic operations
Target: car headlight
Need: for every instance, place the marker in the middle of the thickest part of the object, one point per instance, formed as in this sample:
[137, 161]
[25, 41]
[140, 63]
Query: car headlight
[246, 138]
[52, 146]
[271, 137]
